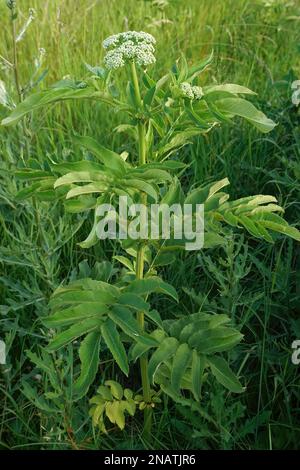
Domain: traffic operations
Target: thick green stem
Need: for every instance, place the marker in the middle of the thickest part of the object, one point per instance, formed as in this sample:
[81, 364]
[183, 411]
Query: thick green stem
[144, 359]
[142, 143]
[140, 264]
[136, 84]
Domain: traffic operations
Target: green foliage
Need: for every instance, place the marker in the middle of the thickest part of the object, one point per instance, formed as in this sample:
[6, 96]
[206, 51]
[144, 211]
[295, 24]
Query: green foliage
[98, 310]
[187, 347]
[59, 92]
[89, 357]
[112, 317]
[113, 402]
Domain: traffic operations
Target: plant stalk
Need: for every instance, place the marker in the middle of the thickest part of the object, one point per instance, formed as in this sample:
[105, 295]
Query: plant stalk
[140, 264]
[15, 55]
[15, 66]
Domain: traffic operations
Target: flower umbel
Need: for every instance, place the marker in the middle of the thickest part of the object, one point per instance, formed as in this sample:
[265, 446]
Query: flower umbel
[129, 46]
[191, 92]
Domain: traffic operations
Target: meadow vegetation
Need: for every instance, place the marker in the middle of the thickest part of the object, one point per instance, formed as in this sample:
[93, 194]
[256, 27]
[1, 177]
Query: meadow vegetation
[255, 44]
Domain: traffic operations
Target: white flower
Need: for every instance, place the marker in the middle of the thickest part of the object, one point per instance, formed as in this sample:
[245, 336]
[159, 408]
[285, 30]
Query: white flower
[198, 93]
[131, 45]
[191, 92]
[187, 90]
[114, 60]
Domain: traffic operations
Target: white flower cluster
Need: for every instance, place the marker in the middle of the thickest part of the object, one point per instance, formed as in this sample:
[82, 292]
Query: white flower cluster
[131, 45]
[191, 92]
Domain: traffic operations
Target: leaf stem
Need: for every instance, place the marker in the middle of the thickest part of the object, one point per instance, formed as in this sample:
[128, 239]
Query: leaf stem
[140, 264]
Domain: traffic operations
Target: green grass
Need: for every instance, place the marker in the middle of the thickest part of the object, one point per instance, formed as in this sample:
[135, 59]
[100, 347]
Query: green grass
[254, 45]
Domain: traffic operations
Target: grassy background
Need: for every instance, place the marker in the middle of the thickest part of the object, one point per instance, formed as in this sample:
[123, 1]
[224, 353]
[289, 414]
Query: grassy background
[257, 44]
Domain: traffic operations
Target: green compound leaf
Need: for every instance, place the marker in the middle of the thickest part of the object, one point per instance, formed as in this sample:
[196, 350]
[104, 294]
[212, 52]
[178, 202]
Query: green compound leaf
[50, 96]
[150, 285]
[114, 344]
[215, 340]
[166, 350]
[198, 366]
[74, 332]
[78, 313]
[89, 357]
[245, 109]
[111, 160]
[116, 389]
[180, 362]
[224, 374]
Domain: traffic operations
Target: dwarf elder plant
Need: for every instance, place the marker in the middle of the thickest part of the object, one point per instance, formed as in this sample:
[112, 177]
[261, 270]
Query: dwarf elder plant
[178, 354]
